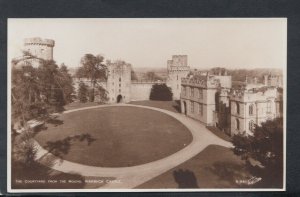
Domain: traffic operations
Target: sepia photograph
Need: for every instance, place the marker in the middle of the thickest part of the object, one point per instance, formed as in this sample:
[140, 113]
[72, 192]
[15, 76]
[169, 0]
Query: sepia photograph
[146, 104]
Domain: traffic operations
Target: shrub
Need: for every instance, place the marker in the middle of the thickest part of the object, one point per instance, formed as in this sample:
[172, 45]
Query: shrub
[161, 92]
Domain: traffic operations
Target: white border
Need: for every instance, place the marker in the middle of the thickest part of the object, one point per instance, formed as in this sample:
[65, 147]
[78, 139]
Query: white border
[10, 190]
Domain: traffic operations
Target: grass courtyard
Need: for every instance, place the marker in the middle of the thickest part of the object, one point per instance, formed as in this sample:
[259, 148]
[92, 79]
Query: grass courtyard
[214, 167]
[114, 136]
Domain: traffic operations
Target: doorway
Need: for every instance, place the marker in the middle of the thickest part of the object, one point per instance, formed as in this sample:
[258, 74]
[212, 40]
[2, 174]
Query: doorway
[119, 98]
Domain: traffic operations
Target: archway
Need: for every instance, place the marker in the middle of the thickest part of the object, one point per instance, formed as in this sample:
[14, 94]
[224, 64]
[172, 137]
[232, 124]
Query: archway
[119, 98]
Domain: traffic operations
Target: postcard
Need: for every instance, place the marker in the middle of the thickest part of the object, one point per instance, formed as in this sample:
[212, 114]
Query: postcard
[146, 104]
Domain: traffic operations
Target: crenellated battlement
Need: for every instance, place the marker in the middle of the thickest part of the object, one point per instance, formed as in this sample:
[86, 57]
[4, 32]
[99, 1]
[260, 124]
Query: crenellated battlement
[246, 95]
[39, 41]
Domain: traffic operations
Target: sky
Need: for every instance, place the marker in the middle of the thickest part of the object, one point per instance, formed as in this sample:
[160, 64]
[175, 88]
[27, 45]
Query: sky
[229, 43]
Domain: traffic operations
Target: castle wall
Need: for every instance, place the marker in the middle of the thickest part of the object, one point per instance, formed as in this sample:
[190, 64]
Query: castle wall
[140, 91]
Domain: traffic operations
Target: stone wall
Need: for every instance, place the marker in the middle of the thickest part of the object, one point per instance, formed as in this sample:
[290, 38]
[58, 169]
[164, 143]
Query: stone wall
[140, 91]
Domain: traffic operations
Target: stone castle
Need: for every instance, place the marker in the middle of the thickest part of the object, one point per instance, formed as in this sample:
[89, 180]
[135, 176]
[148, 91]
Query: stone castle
[41, 48]
[121, 88]
[211, 100]
[208, 98]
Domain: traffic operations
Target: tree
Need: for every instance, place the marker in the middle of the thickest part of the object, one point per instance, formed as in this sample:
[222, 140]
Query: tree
[27, 102]
[101, 94]
[66, 83]
[266, 147]
[151, 76]
[56, 84]
[133, 76]
[37, 92]
[92, 68]
[82, 92]
[161, 92]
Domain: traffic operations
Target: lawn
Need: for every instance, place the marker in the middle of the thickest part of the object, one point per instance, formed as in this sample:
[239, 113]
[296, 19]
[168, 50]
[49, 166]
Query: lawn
[173, 106]
[114, 136]
[214, 167]
[219, 133]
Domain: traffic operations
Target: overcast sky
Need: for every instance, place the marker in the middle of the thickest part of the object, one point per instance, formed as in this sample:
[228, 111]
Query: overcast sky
[230, 43]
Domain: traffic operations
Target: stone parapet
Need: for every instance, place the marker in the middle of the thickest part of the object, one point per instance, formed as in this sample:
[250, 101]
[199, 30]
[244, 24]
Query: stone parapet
[39, 41]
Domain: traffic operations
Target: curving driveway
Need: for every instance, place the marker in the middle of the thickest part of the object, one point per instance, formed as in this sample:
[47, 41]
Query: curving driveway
[130, 177]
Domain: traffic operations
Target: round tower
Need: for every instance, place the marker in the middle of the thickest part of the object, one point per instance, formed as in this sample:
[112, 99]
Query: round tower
[40, 48]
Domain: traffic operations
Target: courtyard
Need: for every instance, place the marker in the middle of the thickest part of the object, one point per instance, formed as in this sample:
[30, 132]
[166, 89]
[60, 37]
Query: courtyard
[114, 136]
[129, 143]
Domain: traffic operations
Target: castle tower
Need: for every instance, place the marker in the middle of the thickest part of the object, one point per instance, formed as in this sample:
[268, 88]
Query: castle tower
[118, 82]
[177, 69]
[40, 48]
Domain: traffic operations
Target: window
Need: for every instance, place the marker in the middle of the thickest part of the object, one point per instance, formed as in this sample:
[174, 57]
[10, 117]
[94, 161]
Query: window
[237, 108]
[119, 85]
[251, 125]
[196, 92]
[196, 107]
[120, 79]
[269, 107]
[192, 92]
[192, 107]
[183, 90]
[237, 123]
[200, 93]
[177, 77]
[201, 109]
[251, 109]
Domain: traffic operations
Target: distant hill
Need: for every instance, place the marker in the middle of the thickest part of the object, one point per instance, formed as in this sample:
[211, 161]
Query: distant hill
[240, 74]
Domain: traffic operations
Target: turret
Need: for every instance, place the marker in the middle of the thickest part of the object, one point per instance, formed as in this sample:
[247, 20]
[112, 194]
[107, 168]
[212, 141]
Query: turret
[40, 48]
